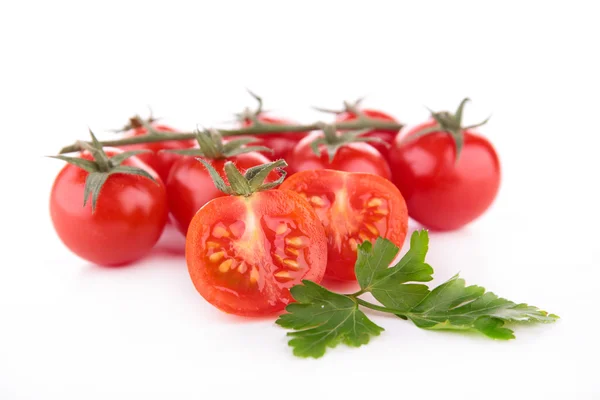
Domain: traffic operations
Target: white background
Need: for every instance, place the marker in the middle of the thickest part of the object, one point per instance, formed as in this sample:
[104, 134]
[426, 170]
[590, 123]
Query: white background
[71, 330]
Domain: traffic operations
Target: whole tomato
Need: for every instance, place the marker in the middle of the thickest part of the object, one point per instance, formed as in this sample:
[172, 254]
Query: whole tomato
[448, 175]
[124, 218]
[245, 251]
[281, 142]
[161, 162]
[349, 157]
[190, 186]
[386, 136]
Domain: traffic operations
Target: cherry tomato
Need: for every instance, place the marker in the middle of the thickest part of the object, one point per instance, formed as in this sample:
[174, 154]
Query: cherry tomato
[281, 143]
[190, 186]
[160, 162]
[129, 218]
[353, 207]
[442, 193]
[386, 135]
[245, 253]
[351, 157]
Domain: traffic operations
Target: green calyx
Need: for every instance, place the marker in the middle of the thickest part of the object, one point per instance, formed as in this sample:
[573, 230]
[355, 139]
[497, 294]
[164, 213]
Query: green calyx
[252, 181]
[451, 124]
[102, 167]
[333, 140]
[250, 114]
[137, 121]
[349, 107]
[212, 146]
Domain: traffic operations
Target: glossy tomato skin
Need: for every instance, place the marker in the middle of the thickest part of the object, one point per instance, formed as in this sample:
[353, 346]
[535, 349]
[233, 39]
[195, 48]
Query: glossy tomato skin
[245, 253]
[160, 162]
[443, 194]
[352, 157]
[190, 186]
[387, 136]
[130, 214]
[281, 143]
[353, 207]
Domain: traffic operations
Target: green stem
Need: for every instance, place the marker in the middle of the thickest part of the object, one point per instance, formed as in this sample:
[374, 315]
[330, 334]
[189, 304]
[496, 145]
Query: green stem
[380, 308]
[262, 129]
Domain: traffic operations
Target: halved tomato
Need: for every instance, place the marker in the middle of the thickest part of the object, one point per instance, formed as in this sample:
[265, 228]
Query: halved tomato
[245, 253]
[353, 207]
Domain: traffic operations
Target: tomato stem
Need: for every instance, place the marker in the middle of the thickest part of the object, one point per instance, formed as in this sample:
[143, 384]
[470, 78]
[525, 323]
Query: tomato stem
[400, 313]
[261, 129]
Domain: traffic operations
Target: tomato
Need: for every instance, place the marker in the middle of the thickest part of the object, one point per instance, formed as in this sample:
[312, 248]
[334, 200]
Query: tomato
[350, 157]
[387, 136]
[245, 253]
[281, 143]
[443, 193]
[353, 207]
[190, 186]
[129, 218]
[160, 162]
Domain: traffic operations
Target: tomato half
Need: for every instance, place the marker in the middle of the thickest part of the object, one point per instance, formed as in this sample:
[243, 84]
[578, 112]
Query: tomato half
[160, 162]
[190, 186]
[353, 208]
[281, 143]
[387, 136]
[442, 193]
[129, 218]
[351, 157]
[245, 253]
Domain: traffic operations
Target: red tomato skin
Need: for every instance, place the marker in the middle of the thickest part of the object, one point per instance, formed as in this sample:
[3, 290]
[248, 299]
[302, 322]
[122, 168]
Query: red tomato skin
[253, 246]
[386, 135]
[281, 143]
[190, 186]
[130, 214]
[160, 162]
[353, 157]
[443, 195]
[353, 207]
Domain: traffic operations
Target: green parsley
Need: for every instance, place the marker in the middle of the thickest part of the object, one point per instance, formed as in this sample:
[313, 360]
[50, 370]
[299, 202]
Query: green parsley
[321, 319]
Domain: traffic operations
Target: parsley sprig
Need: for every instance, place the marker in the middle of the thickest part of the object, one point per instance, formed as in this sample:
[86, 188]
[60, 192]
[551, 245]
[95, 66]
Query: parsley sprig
[321, 318]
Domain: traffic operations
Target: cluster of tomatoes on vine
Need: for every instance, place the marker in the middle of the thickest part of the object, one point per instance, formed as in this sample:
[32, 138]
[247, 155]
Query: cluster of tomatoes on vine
[251, 233]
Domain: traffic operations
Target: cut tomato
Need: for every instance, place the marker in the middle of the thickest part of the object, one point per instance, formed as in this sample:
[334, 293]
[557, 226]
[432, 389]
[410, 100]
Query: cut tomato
[245, 253]
[353, 207]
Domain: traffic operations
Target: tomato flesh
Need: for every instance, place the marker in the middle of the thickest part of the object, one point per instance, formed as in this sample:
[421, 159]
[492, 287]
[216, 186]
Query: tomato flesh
[443, 194]
[129, 218]
[387, 136]
[245, 253]
[281, 143]
[353, 208]
[352, 157]
[190, 186]
[163, 161]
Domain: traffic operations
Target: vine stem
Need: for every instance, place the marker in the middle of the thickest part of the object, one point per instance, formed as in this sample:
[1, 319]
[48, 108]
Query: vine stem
[379, 308]
[257, 129]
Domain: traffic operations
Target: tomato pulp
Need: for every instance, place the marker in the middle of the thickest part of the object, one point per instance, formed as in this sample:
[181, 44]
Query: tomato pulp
[190, 186]
[351, 157]
[129, 218]
[245, 253]
[443, 193]
[353, 207]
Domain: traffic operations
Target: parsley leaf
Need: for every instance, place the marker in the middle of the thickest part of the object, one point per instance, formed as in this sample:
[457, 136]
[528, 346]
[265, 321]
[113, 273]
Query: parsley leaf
[324, 319]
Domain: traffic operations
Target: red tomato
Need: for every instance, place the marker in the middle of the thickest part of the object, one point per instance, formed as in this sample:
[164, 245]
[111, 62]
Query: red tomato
[129, 218]
[351, 157]
[160, 162]
[353, 208]
[245, 253]
[190, 186]
[386, 135]
[443, 194]
[281, 143]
